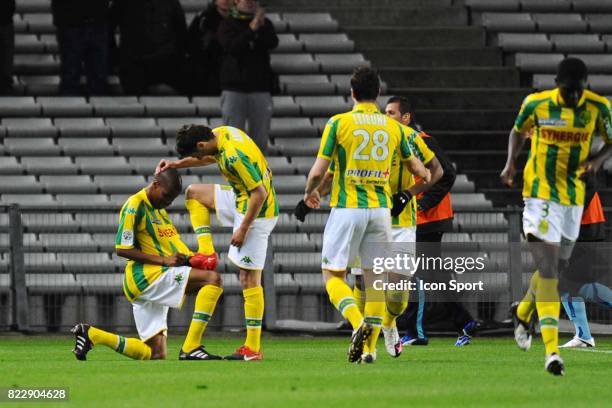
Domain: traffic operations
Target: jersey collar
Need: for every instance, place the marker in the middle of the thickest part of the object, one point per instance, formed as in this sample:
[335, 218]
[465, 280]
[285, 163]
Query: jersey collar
[558, 99]
[143, 194]
[365, 107]
[223, 140]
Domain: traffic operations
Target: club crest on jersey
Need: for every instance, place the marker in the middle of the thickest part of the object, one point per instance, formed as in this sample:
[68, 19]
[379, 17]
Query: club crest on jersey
[127, 237]
[584, 118]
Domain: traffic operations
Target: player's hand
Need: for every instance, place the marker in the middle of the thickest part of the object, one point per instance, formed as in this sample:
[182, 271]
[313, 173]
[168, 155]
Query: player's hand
[427, 178]
[301, 210]
[589, 168]
[163, 165]
[239, 236]
[313, 200]
[507, 175]
[400, 201]
[175, 260]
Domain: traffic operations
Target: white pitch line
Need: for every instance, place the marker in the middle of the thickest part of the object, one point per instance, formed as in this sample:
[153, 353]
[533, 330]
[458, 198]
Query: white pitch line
[591, 350]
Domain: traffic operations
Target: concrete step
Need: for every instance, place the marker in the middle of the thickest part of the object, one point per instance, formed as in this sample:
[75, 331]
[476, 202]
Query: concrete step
[463, 98]
[399, 16]
[434, 57]
[462, 77]
[467, 120]
[435, 37]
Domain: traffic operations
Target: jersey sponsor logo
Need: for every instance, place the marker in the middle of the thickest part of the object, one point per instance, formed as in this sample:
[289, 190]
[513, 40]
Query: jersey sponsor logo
[564, 136]
[552, 122]
[367, 173]
[127, 238]
[166, 232]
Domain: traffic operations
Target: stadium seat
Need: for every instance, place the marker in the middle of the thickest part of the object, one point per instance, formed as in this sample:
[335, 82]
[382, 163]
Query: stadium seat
[133, 127]
[39, 23]
[97, 222]
[321, 43]
[512, 42]
[50, 42]
[596, 63]
[297, 263]
[462, 185]
[306, 85]
[68, 106]
[588, 43]
[280, 166]
[280, 26]
[144, 165]
[170, 125]
[29, 127]
[49, 165]
[42, 263]
[28, 44]
[93, 262]
[85, 146]
[12, 106]
[19, 25]
[556, 6]
[600, 23]
[601, 84]
[142, 147]
[168, 106]
[35, 64]
[322, 105]
[292, 127]
[287, 43]
[41, 84]
[543, 81]
[510, 22]
[105, 241]
[560, 23]
[20, 184]
[208, 105]
[285, 106]
[103, 165]
[310, 22]
[340, 63]
[303, 164]
[101, 283]
[541, 63]
[120, 184]
[600, 6]
[127, 106]
[83, 200]
[82, 127]
[29, 200]
[294, 64]
[9, 165]
[68, 184]
[31, 146]
[49, 222]
[493, 5]
[468, 202]
[297, 146]
[289, 184]
[81, 242]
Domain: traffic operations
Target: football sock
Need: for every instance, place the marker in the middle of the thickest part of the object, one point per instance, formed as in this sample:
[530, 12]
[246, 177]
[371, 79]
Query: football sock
[397, 302]
[598, 293]
[374, 313]
[205, 303]
[253, 313]
[527, 305]
[342, 298]
[130, 347]
[200, 221]
[359, 298]
[548, 306]
[576, 311]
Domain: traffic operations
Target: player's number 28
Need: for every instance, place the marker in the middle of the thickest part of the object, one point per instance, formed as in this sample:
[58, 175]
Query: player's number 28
[379, 150]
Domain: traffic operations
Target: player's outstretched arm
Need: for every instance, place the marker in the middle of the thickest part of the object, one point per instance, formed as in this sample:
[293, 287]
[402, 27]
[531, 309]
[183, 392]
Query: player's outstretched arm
[516, 141]
[136, 255]
[184, 163]
[593, 165]
[417, 168]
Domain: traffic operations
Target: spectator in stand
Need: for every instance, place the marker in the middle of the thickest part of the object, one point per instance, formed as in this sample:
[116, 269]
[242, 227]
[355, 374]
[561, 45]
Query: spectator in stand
[204, 50]
[247, 81]
[152, 43]
[7, 45]
[83, 38]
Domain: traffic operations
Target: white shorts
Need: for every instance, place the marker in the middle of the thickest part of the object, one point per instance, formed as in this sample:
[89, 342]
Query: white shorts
[550, 221]
[252, 254]
[348, 234]
[406, 236]
[151, 307]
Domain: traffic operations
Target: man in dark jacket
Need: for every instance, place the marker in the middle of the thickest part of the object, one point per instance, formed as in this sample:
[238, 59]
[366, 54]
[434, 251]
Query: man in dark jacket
[7, 45]
[203, 48]
[247, 81]
[83, 38]
[434, 218]
[152, 43]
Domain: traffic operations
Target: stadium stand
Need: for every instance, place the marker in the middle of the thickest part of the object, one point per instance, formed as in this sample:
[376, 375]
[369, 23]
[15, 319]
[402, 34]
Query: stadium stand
[91, 152]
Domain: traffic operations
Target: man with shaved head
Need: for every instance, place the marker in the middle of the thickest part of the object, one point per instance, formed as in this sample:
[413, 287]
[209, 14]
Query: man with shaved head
[158, 274]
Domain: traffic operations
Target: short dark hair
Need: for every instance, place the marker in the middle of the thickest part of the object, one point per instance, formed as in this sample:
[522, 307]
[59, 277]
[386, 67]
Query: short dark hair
[188, 136]
[404, 104]
[171, 179]
[572, 70]
[365, 84]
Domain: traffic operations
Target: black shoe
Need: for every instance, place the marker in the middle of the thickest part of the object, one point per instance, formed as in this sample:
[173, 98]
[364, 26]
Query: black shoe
[198, 354]
[82, 342]
[554, 364]
[359, 337]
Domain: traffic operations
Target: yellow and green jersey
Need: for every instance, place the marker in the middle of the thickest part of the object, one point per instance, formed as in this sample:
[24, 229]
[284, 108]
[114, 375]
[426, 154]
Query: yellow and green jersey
[361, 144]
[245, 168]
[151, 231]
[402, 179]
[560, 143]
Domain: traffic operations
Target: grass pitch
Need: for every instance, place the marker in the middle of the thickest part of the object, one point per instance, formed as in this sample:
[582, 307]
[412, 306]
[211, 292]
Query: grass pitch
[312, 372]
